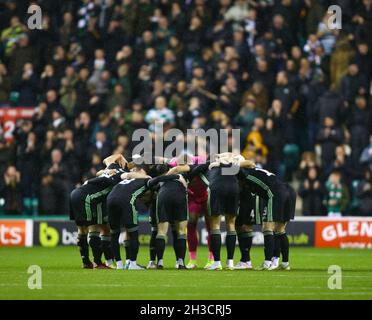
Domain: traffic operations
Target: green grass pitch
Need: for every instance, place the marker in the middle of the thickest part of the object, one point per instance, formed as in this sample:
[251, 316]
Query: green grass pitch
[62, 277]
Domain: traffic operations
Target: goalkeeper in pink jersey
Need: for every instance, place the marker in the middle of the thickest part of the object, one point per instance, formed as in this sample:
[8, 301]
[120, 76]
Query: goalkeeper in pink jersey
[197, 203]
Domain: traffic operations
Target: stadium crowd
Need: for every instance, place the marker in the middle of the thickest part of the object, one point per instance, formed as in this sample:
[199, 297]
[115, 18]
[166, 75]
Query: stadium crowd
[98, 70]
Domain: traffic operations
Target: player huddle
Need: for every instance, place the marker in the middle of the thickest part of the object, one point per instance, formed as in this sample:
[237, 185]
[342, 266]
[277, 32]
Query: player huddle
[177, 193]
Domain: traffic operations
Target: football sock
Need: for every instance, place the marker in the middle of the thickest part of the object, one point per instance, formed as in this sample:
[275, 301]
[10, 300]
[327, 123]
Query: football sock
[284, 246]
[106, 247]
[127, 249]
[181, 247]
[160, 246]
[192, 255]
[115, 245]
[133, 245]
[82, 243]
[174, 236]
[245, 244]
[210, 254]
[268, 244]
[95, 244]
[230, 244]
[277, 236]
[192, 239]
[154, 232]
[216, 244]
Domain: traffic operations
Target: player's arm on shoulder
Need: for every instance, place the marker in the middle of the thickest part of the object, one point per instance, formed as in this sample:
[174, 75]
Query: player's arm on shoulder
[225, 155]
[154, 181]
[134, 175]
[214, 164]
[178, 169]
[115, 158]
[247, 164]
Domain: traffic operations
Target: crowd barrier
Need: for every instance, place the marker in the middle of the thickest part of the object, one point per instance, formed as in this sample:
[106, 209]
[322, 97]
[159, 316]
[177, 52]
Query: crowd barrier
[350, 232]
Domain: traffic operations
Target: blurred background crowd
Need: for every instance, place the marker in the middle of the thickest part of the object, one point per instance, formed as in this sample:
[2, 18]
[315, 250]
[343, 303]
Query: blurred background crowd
[99, 69]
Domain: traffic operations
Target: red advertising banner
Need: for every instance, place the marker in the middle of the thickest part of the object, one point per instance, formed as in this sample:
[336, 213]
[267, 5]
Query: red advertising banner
[16, 233]
[351, 233]
[9, 117]
[13, 233]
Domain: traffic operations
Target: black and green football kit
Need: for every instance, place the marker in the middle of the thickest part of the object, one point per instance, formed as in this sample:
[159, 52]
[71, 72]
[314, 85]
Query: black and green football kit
[122, 203]
[122, 208]
[171, 201]
[88, 202]
[223, 188]
[280, 197]
[250, 208]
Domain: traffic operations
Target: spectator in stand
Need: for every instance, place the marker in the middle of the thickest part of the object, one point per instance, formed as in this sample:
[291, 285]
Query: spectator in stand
[53, 104]
[254, 140]
[67, 91]
[95, 166]
[353, 83]
[48, 79]
[67, 144]
[248, 112]
[27, 86]
[282, 33]
[11, 35]
[6, 154]
[160, 114]
[83, 133]
[343, 164]
[363, 59]
[55, 186]
[260, 94]
[337, 198]
[23, 53]
[308, 161]
[364, 194]
[101, 146]
[58, 121]
[272, 139]
[359, 122]
[67, 30]
[193, 38]
[329, 137]
[5, 85]
[312, 193]
[288, 98]
[238, 11]
[362, 21]
[11, 191]
[330, 105]
[29, 162]
[116, 97]
[366, 156]
[327, 36]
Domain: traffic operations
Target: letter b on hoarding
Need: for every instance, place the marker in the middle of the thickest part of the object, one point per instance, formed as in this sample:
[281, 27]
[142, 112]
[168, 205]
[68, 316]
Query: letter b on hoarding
[49, 236]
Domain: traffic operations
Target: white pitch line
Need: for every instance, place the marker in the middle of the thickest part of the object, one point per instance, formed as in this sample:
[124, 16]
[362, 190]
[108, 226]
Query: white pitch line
[224, 295]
